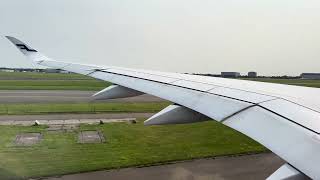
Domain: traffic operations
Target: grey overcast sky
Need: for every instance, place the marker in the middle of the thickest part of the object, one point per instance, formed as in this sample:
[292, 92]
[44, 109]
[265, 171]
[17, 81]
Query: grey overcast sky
[272, 37]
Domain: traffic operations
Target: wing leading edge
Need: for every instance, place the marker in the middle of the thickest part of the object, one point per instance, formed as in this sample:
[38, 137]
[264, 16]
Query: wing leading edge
[280, 117]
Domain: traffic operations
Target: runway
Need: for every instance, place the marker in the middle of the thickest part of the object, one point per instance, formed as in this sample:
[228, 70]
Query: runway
[62, 96]
[247, 167]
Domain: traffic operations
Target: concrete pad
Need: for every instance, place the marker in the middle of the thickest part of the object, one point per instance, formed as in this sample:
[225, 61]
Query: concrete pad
[132, 121]
[28, 139]
[65, 122]
[55, 127]
[56, 122]
[43, 122]
[23, 123]
[117, 120]
[6, 123]
[89, 121]
[70, 127]
[73, 116]
[90, 137]
[72, 121]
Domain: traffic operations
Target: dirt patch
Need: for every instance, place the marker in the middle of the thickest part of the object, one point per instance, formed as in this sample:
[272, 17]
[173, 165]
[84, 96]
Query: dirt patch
[28, 139]
[90, 137]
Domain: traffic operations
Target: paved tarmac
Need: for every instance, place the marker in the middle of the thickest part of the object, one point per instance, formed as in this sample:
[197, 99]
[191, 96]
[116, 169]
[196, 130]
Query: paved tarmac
[248, 167]
[73, 116]
[61, 96]
[66, 121]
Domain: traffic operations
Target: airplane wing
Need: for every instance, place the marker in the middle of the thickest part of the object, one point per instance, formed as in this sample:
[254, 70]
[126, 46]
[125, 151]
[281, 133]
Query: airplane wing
[283, 118]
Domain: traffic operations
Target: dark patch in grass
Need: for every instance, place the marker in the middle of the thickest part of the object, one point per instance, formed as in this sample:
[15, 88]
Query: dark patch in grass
[128, 146]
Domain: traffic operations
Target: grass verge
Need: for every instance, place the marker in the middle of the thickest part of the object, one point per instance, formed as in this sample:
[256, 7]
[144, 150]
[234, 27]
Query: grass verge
[41, 76]
[92, 85]
[20, 109]
[57, 81]
[296, 82]
[127, 145]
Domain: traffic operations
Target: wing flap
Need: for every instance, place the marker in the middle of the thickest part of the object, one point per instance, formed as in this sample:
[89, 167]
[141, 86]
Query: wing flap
[287, 172]
[299, 114]
[291, 142]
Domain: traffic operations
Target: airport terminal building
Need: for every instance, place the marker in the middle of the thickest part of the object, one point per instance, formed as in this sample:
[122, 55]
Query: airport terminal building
[310, 76]
[252, 74]
[230, 74]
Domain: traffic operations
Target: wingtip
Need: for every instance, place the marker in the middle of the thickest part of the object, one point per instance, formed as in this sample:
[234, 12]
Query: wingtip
[13, 39]
[9, 37]
[23, 47]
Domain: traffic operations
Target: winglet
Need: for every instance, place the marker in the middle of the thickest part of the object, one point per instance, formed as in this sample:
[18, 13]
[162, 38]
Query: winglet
[29, 52]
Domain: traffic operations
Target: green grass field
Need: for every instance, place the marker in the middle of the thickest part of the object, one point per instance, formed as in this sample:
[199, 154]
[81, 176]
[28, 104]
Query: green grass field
[41, 76]
[127, 145]
[84, 108]
[297, 82]
[92, 85]
[56, 81]
[48, 81]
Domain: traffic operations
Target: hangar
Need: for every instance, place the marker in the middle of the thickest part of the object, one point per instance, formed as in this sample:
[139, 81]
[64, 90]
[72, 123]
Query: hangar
[230, 74]
[310, 76]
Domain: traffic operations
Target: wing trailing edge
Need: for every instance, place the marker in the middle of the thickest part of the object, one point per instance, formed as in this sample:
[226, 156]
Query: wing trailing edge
[287, 172]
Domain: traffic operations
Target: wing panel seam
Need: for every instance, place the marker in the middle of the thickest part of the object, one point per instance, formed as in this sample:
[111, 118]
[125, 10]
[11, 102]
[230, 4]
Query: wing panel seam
[241, 110]
[288, 119]
[300, 105]
[261, 105]
[226, 118]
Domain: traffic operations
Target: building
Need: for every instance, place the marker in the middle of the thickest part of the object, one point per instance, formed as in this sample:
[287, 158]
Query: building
[310, 76]
[25, 70]
[52, 71]
[65, 72]
[252, 74]
[230, 74]
[6, 70]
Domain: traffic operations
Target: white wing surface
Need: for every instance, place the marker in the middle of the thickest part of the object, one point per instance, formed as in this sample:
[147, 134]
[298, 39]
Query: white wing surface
[284, 118]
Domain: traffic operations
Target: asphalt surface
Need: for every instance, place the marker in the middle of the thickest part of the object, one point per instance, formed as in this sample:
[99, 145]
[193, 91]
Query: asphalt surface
[248, 167]
[60, 96]
[74, 116]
